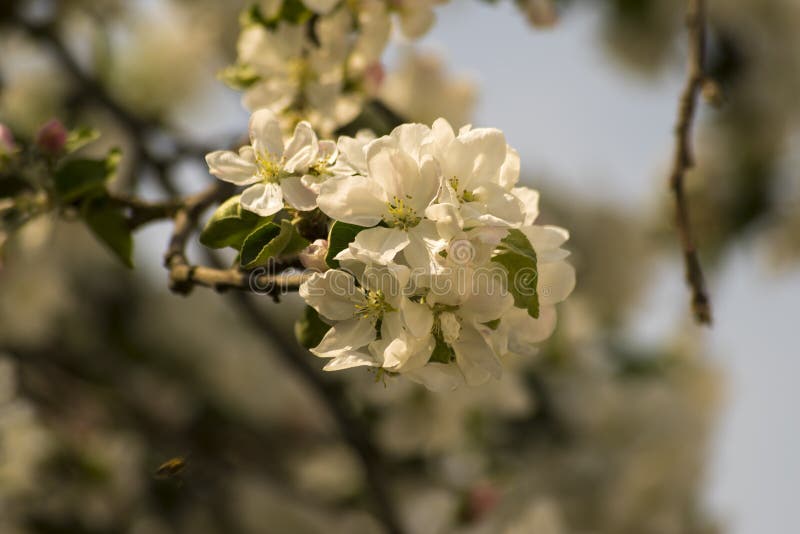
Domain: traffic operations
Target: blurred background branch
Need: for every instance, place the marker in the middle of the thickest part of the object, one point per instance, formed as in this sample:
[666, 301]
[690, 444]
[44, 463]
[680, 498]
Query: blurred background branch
[684, 157]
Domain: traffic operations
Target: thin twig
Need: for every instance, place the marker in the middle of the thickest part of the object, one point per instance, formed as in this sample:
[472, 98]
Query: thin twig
[141, 212]
[684, 159]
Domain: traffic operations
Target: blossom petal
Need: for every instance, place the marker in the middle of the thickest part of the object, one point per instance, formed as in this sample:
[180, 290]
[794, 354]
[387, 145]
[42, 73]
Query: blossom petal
[418, 318]
[438, 377]
[475, 357]
[416, 21]
[530, 201]
[352, 152]
[302, 148]
[345, 338]
[297, 194]
[262, 199]
[524, 331]
[509, 171]
[352, 199]
[231, 167]
[265, 134]
[409, 138]
[350, 360]
[556, 282]
[275, 93]
[333, 294]
[379, 245]
[475, 158]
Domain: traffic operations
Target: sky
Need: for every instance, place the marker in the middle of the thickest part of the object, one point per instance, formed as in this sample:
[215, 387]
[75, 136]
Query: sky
[583, 122]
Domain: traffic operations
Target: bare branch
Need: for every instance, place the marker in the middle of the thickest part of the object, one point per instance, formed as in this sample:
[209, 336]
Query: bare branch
[684, 159]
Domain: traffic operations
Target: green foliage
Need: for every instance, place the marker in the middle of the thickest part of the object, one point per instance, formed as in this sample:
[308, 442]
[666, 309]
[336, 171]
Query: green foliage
[310, 329]
[229, 225]
[519, 259]
[80, 178]
[340, 236]
[292, 11]
[239, 77]
[110, 226]
[268, 241]
[80, 137]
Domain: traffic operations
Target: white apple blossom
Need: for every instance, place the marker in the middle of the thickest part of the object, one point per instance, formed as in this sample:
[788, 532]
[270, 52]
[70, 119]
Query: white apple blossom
[422, 73]
[479, 171]
[436, 208]
[416, 16]
[398, 183]
[374, 324]
[276, 172]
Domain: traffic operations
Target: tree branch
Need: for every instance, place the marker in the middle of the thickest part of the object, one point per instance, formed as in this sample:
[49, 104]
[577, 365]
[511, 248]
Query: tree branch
[183, 276]
[683, 159]
[296, 358]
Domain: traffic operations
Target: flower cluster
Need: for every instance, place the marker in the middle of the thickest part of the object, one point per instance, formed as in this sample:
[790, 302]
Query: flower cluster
[319, 59]
[434, 266]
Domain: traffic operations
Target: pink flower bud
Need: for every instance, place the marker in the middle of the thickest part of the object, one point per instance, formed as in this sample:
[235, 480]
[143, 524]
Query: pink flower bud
[52, 137]
[7, 144]
[373, 77]
[481, 500]
[313, 256]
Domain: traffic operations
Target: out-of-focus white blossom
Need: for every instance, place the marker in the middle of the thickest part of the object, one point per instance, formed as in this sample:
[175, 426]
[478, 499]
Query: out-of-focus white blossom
[315, 74]
[423, 74]
[416, 16]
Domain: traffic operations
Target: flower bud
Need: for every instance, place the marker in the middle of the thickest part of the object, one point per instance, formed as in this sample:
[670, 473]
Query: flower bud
[313, 256]
[373, 77]
[7, 144]
[52, 137]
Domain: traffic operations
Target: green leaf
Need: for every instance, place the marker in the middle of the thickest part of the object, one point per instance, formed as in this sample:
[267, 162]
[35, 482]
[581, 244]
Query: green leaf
[110, 226]
[239, 77]
[310, 329]
[517, 256]
[295, 11]
[79, 178]
[251, 16]
[229, 225]
[270, 240]
[80, 137]
[292, 11]
[339, 238]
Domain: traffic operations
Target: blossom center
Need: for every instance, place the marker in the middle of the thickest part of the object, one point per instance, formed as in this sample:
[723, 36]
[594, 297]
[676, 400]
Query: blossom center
[401, 215]
[374, 307]
[463, 196]
[269, 170]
